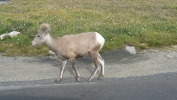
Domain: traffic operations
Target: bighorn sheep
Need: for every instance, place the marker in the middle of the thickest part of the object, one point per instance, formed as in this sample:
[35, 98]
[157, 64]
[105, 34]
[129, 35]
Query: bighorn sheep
[70, 47]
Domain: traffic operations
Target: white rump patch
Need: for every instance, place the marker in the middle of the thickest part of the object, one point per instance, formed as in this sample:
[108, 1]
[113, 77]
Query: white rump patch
[100, 38]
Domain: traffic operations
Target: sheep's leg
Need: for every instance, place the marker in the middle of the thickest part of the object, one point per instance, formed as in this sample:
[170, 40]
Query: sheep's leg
[61, 71]
[95, 60]
[101, 60]
[73, 62]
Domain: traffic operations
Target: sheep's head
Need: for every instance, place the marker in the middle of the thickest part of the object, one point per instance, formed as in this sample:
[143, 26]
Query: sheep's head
[42, 31]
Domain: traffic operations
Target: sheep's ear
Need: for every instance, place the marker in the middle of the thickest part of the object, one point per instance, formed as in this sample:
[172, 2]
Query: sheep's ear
[47, 30]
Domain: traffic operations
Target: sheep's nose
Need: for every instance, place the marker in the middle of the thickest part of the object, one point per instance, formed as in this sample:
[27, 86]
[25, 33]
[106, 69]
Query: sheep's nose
[33, 44]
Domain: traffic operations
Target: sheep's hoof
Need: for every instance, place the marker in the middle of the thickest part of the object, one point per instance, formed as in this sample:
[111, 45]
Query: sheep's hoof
[78, 78]
[100, 77]
[90, 80]
[58, 79]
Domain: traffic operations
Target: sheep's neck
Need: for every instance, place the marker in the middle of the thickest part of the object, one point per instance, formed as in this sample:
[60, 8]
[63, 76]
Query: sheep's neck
[51, 43]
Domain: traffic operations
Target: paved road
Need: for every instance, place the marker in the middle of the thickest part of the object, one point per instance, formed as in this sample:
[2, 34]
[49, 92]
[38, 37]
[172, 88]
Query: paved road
[118, 64]
[155, 87]
[147, 76]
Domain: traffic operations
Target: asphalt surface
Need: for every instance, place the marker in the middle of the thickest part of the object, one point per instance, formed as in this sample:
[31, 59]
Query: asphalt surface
[146, 76]
[156, 87]
[118, 64]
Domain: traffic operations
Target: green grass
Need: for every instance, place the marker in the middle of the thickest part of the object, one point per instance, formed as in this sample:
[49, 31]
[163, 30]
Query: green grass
[143, 23]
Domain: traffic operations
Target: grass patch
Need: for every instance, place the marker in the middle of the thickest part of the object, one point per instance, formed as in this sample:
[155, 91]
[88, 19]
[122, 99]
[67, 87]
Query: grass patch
[148, 22]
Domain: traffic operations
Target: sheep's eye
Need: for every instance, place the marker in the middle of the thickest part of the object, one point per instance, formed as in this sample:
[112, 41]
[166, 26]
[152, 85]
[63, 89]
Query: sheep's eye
[38, 36]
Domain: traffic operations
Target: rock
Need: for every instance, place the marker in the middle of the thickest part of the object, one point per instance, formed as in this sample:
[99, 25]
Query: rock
[174, 46]
[4, 1]
[51, 52]
[11, 34]
[169, 56]
[130, 49]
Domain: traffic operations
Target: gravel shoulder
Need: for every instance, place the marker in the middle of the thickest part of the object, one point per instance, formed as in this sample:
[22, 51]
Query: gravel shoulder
[118, 64]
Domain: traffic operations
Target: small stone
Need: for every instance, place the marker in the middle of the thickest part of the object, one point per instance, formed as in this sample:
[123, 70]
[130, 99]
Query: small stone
[175, 46]
[51, 52]
[131, 49]
[169, 56]
[11, 34]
